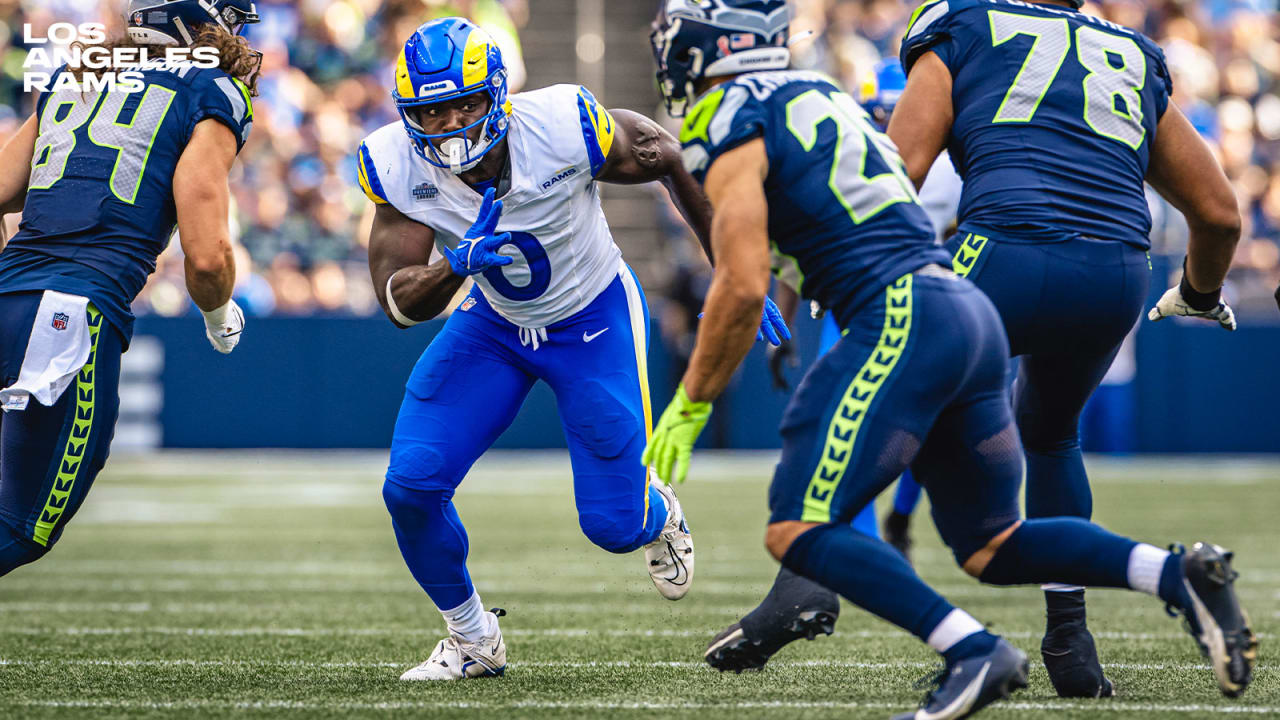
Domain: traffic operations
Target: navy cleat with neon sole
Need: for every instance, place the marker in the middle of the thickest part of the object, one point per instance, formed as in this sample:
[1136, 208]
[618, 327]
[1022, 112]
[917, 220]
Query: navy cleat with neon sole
[966, 686]
[1215, 619]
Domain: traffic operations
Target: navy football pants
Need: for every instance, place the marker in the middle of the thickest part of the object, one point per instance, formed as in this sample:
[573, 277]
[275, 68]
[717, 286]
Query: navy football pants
[918, 380]
[1066, 308]
[49, 456]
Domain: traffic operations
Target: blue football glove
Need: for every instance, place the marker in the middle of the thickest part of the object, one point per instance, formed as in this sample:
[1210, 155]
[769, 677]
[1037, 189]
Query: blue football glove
[478, 251]
[772, 327]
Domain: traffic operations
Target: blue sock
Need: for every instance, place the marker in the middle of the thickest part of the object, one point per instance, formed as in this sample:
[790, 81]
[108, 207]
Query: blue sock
[1061, 550]
[1172, 588]
[870, 574]
[432, 542]
[979, 643]
[1057, 485]
[907, 496]
[865, 521]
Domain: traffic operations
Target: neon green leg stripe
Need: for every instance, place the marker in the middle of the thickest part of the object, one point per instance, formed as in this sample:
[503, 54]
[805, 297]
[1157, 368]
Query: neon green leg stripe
[968, 254]
[842, 435]
[77, 440]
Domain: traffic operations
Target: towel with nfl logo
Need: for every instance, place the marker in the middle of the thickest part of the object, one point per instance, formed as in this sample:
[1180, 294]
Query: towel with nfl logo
[57, 349]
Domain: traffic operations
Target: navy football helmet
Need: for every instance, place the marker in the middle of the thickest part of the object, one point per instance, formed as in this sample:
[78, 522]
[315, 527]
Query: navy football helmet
[696, 39]
[175, 22]
[447, 59]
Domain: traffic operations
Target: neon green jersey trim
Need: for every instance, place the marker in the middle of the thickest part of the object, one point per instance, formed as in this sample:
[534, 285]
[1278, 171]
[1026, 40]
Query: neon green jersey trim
[842, 434]
[77, 439]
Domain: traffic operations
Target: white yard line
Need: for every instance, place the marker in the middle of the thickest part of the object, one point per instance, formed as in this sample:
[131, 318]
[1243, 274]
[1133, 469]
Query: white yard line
[313, 706]
[554, 664]
[518, 632]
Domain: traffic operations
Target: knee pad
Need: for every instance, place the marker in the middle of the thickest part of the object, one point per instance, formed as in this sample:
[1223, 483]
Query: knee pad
[611, 533]
[405, 503]
[16, 551]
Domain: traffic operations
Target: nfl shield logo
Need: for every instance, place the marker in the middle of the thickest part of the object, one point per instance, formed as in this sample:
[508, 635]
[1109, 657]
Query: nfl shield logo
[425, 191]
[60, 321]
[468, 304]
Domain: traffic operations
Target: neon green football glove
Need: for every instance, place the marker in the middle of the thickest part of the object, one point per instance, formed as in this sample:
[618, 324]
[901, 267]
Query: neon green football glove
[671, 446]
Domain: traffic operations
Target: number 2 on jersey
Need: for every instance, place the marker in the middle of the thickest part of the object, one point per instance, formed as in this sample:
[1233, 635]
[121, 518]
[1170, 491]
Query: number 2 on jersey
[1112, 99]
[68, 111]
[862, 196]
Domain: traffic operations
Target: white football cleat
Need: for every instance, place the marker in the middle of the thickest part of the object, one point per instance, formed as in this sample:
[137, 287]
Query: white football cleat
[670, 557]
[454, 659]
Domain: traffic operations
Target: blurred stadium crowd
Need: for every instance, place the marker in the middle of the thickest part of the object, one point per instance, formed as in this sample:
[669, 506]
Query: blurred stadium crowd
[302, 222]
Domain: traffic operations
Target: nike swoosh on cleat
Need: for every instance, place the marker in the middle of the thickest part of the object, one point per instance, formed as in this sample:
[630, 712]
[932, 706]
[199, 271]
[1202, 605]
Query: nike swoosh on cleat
[588, 337]
[961, 704]
[679, 568]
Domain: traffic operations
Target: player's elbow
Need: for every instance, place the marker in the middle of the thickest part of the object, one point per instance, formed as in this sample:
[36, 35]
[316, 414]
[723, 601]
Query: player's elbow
[1220, 221]
[210, 264]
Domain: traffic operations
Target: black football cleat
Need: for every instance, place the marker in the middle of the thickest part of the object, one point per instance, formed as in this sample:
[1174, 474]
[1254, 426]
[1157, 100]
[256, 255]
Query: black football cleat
[1215, 619]
[965, 687]
[897, 532]
[795, 608]
[1072, 661]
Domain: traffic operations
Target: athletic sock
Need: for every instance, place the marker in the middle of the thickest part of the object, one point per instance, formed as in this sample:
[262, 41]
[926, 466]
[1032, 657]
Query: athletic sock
[1068, 550]
[870, 574]
[468, 621]
[1063, 607]
[907, 495]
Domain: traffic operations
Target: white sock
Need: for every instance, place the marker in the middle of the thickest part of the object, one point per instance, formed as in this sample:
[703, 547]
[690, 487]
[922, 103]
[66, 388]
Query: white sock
[956, 626]
[1146, 564]
[468, 621]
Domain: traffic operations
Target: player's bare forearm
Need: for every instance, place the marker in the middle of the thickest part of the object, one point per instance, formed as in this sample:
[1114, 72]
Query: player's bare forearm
[739, 236]
[202, 197]
[922, 119]
[423, 291]
[788, 301]
[15, 168]
[400, 252]
[1184, 170]
[644, 152]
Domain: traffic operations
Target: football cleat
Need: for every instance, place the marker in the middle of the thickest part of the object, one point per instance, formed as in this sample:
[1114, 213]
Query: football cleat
[670, 557]
[454, 659]
[1072, 661]
[795, 608]
[965, 687]
[897, 532]
[1215, 619]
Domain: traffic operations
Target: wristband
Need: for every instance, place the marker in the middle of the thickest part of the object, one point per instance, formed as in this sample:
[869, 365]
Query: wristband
[395, 311]
[1198, 301]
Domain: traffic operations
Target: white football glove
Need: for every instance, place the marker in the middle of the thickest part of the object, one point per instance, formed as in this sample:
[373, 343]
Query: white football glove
[223, 327]
[1172, 303]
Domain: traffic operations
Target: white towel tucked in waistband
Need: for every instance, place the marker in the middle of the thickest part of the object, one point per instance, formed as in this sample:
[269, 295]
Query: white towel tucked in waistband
[58, 348]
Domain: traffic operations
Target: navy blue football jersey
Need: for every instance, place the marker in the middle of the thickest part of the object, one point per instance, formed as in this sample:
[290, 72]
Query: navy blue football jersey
[1055, 113]
[844, 219]
[99, 206]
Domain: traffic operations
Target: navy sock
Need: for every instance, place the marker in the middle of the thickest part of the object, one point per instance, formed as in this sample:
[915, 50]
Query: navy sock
[979, 643]
[907, 496]
[1057, 485]
[870, 574]
[1172, 588]
[432, 542]
[1061, 550]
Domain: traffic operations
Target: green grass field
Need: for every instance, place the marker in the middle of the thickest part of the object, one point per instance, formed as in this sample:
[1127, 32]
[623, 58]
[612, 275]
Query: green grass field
[219, 585]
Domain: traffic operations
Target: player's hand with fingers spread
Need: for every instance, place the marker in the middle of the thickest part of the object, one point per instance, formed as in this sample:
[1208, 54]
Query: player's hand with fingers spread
[223, 327]
[478, 251]
[772, 327]
[671, 446]
[1183, 300]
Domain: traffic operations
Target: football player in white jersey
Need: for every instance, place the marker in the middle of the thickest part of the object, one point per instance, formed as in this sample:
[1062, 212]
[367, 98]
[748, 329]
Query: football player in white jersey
[505, 190]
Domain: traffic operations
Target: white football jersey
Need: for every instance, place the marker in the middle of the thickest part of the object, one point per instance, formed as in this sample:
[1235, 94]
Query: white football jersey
[564, 255]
